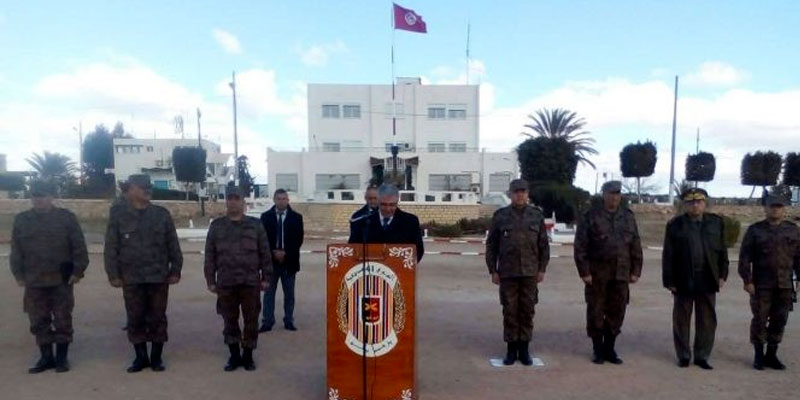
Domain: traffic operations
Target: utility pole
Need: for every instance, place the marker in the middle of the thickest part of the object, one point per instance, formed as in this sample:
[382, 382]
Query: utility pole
[672, 162]
[232, 84]
[199, 140]
[80, 150]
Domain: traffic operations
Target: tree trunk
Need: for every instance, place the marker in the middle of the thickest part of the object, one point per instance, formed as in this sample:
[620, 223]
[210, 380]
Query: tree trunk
[639, 189]
[752, 191]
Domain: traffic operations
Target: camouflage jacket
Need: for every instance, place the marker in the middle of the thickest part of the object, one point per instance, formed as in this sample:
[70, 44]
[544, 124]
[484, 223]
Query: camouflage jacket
[47, 247]
[237, 252]
[142, 246]
[769, 254]
[607, 245]
[517, 245]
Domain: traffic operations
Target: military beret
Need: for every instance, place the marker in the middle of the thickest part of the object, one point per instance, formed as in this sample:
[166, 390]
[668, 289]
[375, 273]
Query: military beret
[518, 184]
[692, 194]
[776, 200]
[140, 180]
[234, 191]
[41, 188]
[612, 186]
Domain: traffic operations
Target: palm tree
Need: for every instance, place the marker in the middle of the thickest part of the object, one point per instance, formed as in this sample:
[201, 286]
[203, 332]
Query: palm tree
[53, 167]
[560, 123]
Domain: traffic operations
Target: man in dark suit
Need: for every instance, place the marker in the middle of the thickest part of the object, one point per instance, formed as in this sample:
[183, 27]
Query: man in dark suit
[695, 268]
[284, 228]
[370, 206]
[390, 224]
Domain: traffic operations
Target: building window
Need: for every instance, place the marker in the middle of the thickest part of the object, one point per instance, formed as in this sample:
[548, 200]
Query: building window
[351, 111]
[436, 147]
[458, 147]
[330, 111]
[402, 146]
[331, 147]
[352, 145]
[458, 111]
[449, 183]
[149, 149]
[436, 112]
[338, 181]
[399, 111]
[286, 182]
[498, 182]
[159, 163]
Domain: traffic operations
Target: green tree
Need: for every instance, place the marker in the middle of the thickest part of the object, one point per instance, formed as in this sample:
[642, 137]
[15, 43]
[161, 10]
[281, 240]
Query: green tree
[246, 181]
[563, 124]
[700, 167]
[98, 156]
[638, 160]
[53, 167]
[544, 159]
[791, 170]
[761, 169]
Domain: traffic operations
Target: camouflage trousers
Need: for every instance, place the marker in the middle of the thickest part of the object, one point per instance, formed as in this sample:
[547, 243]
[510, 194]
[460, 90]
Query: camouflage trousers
[705, 322]
[146, 306]
[606, 301]
[518, 297]
[771, 309]
[230, 301]
[50, 312]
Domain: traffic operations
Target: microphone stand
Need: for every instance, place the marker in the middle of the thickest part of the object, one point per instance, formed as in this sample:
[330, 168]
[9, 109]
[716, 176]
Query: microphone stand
[365, 235]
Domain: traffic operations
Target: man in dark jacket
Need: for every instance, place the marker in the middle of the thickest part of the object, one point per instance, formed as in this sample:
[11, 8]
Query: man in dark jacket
[390, 224]
[694, 269]
[284, 228]
[770, 252]
[370, 207]
[608, 254]
[517, 254]
[237, 267]
[143, 257]
[48, 256]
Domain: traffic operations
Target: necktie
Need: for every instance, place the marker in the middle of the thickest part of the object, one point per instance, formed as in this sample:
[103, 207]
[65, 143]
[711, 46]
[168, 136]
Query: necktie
[280, 230]
[385, 223]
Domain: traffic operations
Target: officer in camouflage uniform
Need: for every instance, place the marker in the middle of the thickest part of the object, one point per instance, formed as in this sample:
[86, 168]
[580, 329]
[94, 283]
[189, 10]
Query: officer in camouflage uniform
[694, 265]
[48, 256]
[770, 251]
[143, 257]
[517, 253]
[608, 254]
[238, 266]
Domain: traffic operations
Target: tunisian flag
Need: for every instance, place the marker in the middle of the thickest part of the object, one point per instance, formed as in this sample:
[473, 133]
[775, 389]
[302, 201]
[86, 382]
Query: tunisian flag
[408, 20]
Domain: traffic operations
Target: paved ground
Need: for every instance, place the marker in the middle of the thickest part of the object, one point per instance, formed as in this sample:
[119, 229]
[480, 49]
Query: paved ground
[459, 330]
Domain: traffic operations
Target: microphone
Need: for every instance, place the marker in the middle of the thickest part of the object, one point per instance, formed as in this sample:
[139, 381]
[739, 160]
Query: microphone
[369, 213]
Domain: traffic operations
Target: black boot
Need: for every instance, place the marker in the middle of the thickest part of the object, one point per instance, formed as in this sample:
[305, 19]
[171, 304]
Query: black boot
[46, 360]
[141, 361]
[771, 358]
[609, 342]
[156, 363]
[524, 354]
[511, 354]
[247, 360]
[62, 364]
[758, 358]
[235, 360]
[597, 350]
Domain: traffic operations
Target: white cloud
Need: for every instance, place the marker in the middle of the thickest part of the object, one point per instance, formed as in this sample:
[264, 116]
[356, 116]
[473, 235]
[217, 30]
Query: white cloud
[716, 73]
[317, 55]
[228, 41]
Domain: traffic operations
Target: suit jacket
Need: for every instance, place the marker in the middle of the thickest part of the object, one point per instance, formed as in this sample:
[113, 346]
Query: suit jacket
[292, 236]
[404, 229]
[677, 268]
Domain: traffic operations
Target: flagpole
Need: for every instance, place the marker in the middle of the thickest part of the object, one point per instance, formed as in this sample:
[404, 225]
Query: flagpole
[395, 148]
[467, 51]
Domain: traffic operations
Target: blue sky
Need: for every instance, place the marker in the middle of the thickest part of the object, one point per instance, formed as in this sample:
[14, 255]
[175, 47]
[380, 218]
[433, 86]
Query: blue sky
[613, 62]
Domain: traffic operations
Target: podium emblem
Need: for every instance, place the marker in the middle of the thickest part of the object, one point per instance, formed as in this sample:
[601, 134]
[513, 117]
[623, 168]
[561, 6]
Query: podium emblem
[371, 309]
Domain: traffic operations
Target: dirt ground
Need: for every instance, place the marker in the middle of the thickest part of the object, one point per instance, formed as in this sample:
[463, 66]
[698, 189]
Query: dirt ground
[459, 330]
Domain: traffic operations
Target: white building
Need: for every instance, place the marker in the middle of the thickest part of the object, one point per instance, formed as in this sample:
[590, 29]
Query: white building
[350, 136]
[153, 157]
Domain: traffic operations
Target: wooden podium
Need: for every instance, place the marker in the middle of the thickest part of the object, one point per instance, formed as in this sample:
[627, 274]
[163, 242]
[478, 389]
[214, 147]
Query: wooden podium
[376, 302]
